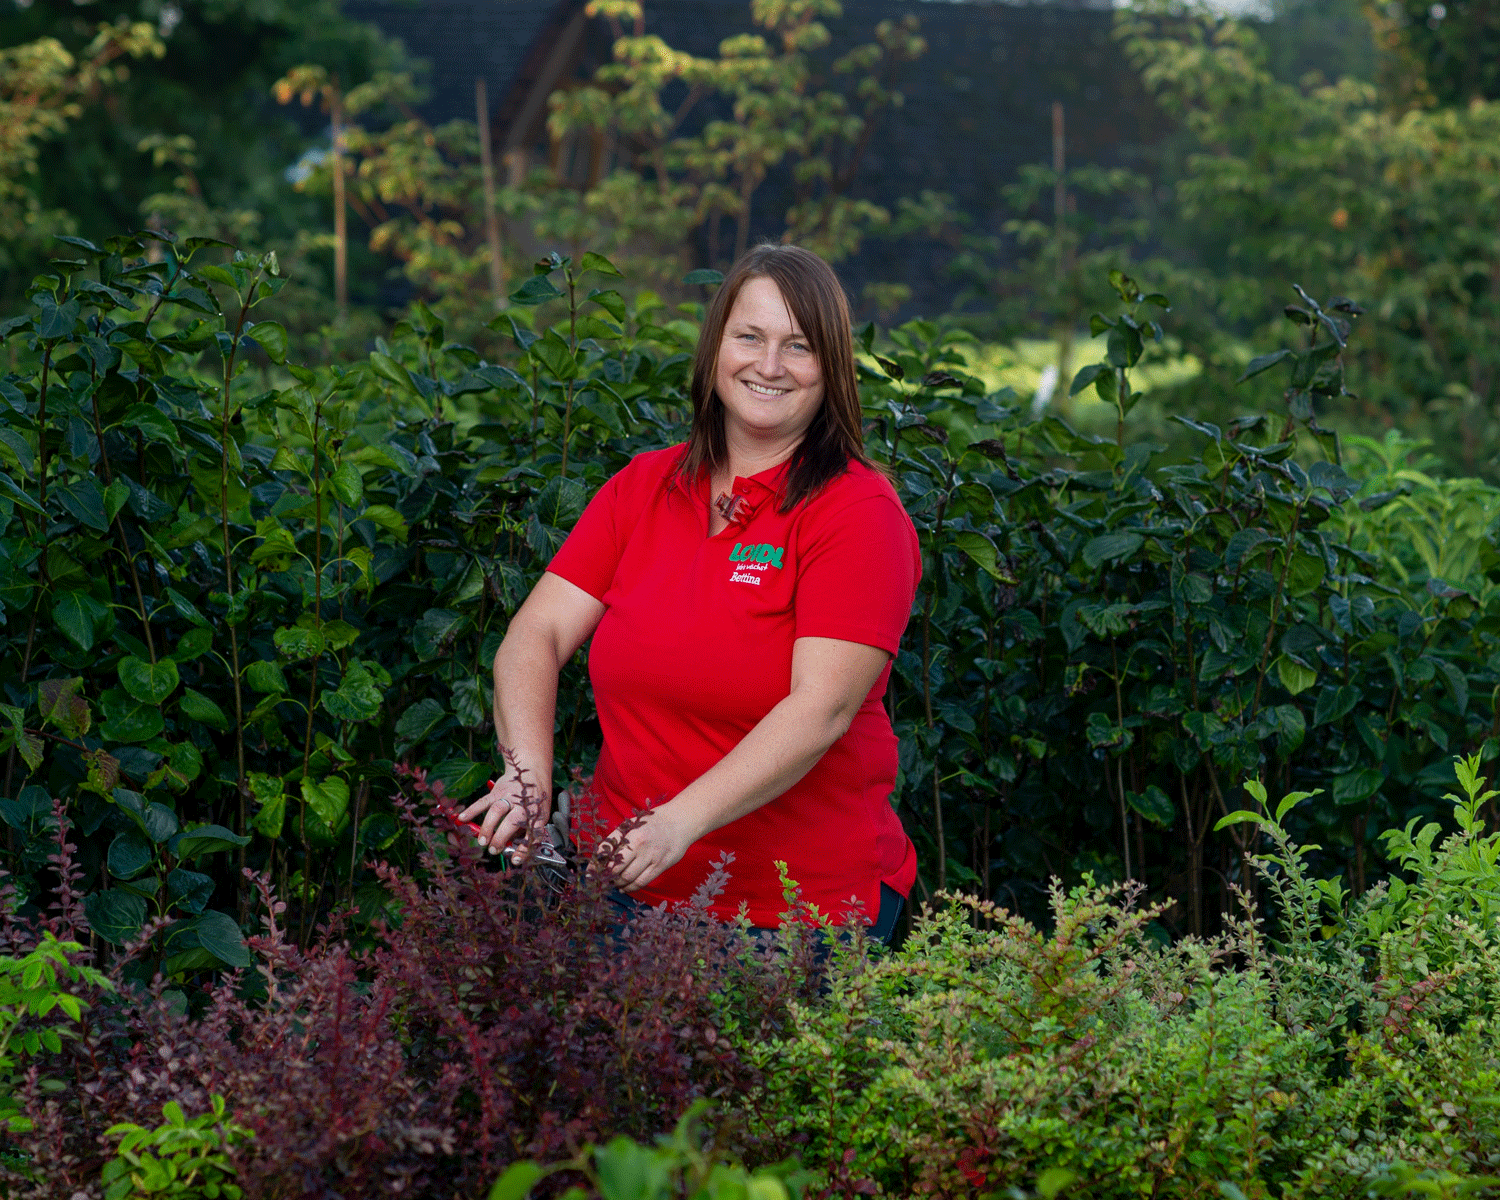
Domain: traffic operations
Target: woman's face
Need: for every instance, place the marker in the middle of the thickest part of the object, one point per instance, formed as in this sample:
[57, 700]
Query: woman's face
[768, 378]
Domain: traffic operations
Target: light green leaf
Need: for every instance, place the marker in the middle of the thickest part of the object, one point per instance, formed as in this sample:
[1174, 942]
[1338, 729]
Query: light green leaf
[1295, 676]
[383, 516]
[299, 641]
[517, 1181]
[150, 683]
[329, 799]
[272, 339]
[357, 697]
[266, 676]
[348, 483]
[1239, 818]
[195, 706]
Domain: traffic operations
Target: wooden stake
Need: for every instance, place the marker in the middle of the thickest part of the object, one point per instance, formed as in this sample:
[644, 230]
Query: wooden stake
[491, 215]
[340, 217]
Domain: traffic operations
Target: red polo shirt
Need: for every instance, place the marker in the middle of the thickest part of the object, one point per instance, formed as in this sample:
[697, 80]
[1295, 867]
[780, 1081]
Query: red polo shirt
[695, 647]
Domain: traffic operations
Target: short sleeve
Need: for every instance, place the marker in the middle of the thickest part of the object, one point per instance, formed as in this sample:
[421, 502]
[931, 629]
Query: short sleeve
[858, 574]
[591, 552]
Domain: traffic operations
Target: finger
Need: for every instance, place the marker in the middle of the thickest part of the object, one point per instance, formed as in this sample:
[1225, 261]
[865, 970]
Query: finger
[491, 793]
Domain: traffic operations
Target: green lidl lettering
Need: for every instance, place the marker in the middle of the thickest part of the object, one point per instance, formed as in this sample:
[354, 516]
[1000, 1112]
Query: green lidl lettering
[764, 552]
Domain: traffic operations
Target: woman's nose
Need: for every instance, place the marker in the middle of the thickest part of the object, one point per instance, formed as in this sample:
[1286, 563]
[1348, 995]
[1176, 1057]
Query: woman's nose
[770, 361]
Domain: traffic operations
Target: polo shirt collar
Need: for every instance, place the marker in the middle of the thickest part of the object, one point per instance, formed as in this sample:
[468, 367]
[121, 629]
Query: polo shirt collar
[755, 491]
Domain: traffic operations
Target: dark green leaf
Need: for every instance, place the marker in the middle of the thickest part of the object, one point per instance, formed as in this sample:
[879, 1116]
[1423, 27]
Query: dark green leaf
[115, 915]
[195, 706]
[703, 276]
[536, 290]
[1154, 805]
[272, 339]
[1110, 546]
[85, 503]
[1355, 786]
[150, 683]
[1334, 702]
[1263, 362]
[206, 839]
[190, 889]
[419, 720]
[130, 854]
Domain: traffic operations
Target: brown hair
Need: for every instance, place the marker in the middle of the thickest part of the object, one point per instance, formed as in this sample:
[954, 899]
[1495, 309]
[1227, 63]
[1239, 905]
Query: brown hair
[817, 303]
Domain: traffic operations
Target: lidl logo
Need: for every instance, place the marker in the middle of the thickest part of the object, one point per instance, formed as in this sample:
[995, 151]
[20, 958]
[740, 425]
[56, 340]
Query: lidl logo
[763, 553]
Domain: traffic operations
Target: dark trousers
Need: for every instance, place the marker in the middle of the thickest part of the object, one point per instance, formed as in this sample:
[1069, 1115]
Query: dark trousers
[891, 927]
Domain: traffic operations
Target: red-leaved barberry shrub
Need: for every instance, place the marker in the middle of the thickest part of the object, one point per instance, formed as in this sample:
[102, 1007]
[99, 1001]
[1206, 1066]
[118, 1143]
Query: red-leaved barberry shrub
[489, 1016]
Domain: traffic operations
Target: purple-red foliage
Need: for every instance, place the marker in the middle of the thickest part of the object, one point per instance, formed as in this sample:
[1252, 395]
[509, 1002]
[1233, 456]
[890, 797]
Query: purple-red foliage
[491, 1018]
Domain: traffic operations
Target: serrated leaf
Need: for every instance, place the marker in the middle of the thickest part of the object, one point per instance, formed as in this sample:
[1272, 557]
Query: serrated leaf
[152, 422]
[419, 720]
[348, 483]
[115, 915]
[357, 697]
[1110, 546]
[206, 839]
[299, 641]
[328, 798]
[1263, 362]
[195, 706]
[150, 683]
[272, 338]
[130, 854]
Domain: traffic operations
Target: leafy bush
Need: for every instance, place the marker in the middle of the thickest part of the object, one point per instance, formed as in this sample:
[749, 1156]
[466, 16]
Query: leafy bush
[181, 1157]
[1351, 1047]
[239, 591]
[490, 1020]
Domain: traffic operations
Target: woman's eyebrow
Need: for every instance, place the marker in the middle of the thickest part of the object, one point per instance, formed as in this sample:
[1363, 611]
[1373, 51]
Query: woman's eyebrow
[751, 327]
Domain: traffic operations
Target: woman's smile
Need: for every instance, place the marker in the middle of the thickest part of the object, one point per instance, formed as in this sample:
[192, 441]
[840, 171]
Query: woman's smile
[768, 377]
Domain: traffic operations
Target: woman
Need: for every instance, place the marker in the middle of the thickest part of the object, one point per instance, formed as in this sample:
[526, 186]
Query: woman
[745, 594]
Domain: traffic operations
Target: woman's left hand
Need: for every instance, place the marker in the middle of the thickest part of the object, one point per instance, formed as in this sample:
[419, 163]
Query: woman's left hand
[658, 842]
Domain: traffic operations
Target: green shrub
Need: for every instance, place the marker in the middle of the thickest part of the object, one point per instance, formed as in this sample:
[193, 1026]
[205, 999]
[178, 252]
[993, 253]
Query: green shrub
[238, 591]
[1343, 1045]
[181, 1158]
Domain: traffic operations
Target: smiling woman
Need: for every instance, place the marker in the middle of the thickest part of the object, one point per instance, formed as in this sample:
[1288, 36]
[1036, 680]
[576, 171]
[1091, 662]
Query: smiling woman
[745, 594]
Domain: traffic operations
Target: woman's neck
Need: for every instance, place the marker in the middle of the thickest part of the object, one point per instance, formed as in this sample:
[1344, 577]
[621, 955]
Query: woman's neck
[746, 458]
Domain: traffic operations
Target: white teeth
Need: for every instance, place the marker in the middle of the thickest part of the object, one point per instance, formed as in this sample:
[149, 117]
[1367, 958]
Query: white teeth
[765, 391]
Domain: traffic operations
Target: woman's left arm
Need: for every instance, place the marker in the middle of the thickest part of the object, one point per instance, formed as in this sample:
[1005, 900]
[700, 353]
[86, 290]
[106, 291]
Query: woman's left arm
[830, 680]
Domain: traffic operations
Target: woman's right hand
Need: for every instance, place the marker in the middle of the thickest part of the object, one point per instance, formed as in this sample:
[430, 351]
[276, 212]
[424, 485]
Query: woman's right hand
[512, 812]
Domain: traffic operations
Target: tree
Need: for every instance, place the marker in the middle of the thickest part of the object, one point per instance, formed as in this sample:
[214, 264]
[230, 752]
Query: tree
[1444, 54]
[43, 88]
[196, 136]
[686, 175]
[1324, 184]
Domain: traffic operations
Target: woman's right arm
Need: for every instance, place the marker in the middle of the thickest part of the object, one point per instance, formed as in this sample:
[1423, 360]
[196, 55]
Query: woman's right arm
[556, 619]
